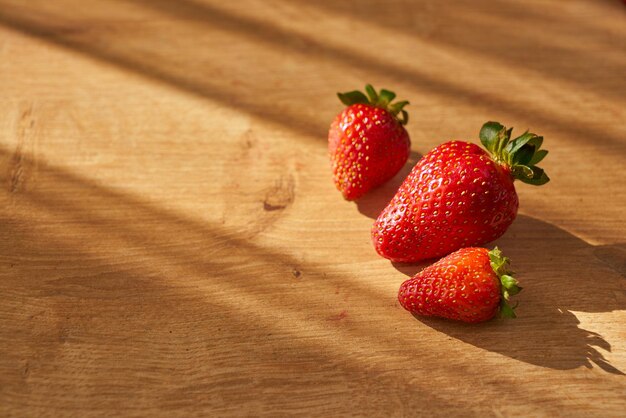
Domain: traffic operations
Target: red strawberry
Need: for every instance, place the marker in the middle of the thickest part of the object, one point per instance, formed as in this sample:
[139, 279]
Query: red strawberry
[458, 195]
[367, 142]
[470, 285]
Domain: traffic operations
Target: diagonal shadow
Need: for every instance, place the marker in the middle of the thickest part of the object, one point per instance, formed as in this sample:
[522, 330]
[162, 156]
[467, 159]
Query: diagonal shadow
[375, 201]
[146, 256]
[93, 307]
[492, 30]
[560, 273]
[189, 82]
[273, 36]
[105, 214]
[264, 33]
[183, 246]
[102, 210]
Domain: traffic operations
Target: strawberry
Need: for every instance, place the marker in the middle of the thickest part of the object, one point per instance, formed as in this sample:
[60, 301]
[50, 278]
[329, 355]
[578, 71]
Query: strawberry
[458, 195]
[367, 142]
[469, 285]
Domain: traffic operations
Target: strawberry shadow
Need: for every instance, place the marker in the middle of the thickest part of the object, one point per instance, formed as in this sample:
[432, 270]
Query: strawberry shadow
[375, 201]
[561, 274]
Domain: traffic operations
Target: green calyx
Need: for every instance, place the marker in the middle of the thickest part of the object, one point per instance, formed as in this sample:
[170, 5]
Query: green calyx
[508, 284]
[380, 99]
[521, 154]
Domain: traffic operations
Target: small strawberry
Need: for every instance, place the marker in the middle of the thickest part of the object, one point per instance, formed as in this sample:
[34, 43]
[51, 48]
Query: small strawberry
[367, 142]
[458, 195]
[469, 285]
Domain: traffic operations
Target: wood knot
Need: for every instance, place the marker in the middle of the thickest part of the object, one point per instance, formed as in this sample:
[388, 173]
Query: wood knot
[281, 195]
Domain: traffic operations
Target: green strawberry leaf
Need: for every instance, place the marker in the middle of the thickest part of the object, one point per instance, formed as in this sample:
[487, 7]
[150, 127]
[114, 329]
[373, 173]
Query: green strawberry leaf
[508, 284]
[520, 155]
[386, 96]
[489, 134]
[522, 172]
[405, 117]
[538, 157]
[506, 311]
[524, 155]
[537, 141]
[352, 97]
[397, 107]
[383, 100]
[519, 142]
[371, 93]
[539, 177]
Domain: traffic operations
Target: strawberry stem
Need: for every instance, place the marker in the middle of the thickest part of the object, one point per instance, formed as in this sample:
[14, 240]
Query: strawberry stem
[382, 99]
[508, 285]
[521, 154]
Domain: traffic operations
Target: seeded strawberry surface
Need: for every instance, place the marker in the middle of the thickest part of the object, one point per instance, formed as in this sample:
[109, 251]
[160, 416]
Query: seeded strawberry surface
[367, 141]
[456, 196]
[462, 286]
[368, 146]
[459, 195]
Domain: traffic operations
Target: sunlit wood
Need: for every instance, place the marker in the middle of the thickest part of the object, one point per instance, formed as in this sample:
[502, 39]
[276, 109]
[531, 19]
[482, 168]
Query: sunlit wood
[172, 243]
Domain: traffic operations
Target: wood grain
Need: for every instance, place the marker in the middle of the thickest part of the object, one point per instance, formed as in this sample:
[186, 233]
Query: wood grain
[172, 243]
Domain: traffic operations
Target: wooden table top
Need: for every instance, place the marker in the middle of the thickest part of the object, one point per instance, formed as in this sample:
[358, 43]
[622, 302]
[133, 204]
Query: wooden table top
[172, 243]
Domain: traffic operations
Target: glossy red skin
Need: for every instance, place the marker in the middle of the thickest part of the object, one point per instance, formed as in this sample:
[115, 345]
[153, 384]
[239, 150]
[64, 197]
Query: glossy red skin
[456, 196]
[461, 286]
[367, 147]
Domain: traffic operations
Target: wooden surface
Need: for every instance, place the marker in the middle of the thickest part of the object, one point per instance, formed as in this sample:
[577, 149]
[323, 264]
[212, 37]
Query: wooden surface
[172, 243]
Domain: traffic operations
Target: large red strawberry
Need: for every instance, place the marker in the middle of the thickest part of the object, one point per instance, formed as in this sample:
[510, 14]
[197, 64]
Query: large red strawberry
[470, 285]
[458, 195]
[367, 142]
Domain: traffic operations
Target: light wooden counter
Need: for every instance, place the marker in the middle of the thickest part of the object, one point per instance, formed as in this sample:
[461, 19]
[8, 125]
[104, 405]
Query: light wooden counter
[171, 243]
